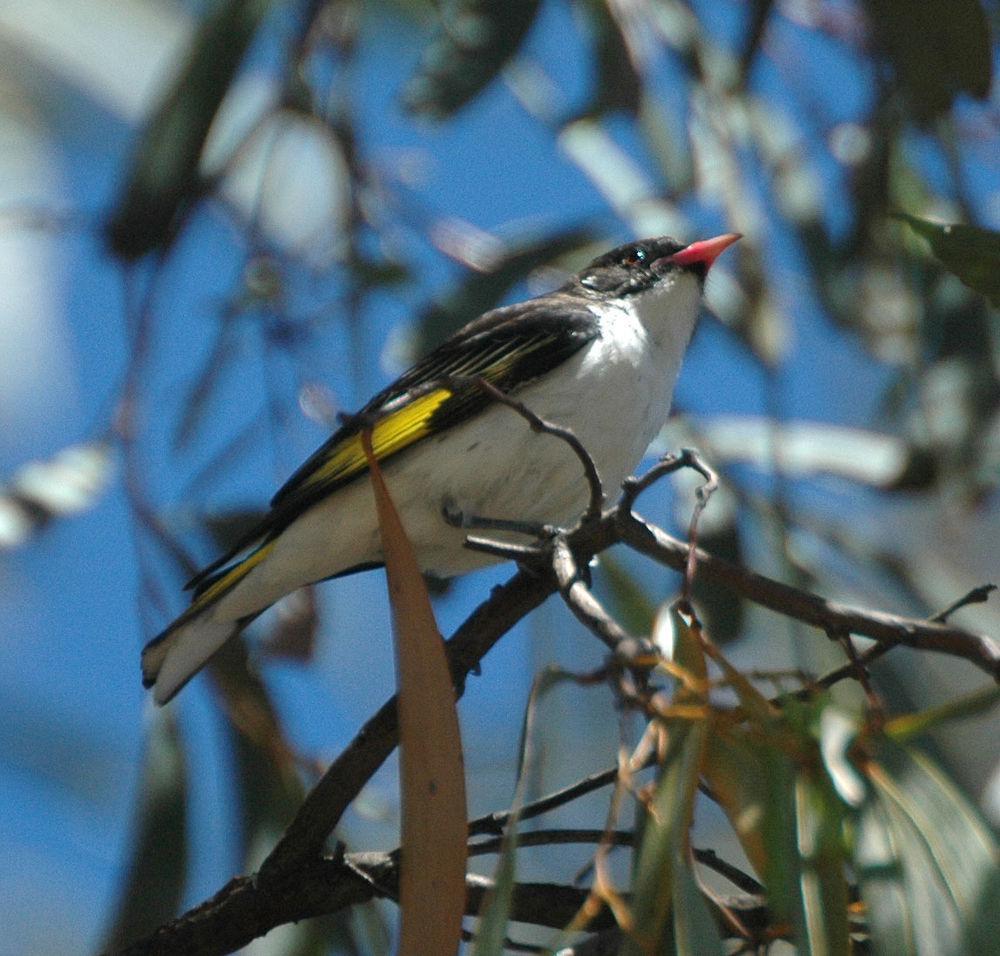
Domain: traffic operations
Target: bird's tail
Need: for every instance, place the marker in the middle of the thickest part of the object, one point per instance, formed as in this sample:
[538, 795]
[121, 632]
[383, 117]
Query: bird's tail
[172, 658]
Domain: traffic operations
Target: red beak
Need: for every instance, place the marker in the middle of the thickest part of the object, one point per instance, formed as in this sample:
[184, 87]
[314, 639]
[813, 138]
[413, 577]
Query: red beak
[704, 252]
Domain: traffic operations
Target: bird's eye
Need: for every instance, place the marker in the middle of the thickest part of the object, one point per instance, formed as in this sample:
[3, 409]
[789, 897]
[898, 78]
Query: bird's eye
[636, 257]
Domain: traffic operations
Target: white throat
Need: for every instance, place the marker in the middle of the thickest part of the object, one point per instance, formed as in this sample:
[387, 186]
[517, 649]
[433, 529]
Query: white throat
[668, 312]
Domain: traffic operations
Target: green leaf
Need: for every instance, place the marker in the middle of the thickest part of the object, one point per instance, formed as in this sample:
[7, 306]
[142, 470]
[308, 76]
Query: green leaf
[694, 928]
[905, 728]
[157, 869]
[269, 792]
[782, 871]
[491, 930]
[495, 910]
[970, 253]
[736, 772]
[476, 39]
[627, 599]
[938, 50]
[617, 84]
[823, 926]
[981, 931]
[481, 291]
[664, 842]
[923, 856]
[163, 182]
[723, 610]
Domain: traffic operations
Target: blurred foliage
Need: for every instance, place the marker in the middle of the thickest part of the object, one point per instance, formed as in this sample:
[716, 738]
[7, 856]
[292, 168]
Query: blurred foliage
[937, 51]
[475, 39]
[860, 841]
[157, 870]
[971, 253]
[42, 491]
[165, 180]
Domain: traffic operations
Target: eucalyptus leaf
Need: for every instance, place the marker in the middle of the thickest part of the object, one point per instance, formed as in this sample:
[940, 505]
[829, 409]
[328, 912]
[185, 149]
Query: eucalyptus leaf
[694, 929]
[475, 40]
[163, 182]
[617, 85]
[924, 858]
[971, 253]
[494, 914]
[823, 927]
[627, 599]
[664, 839]
[665, 846]
[156, 873]
[937, 50]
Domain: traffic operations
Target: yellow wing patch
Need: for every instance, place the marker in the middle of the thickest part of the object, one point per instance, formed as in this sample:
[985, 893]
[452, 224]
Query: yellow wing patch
[390, 434]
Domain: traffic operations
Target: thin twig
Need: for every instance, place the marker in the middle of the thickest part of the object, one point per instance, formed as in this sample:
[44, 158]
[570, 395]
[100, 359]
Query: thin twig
[596, 502]
[859, 671]
[495, 822]
[979, 595]
[580, 599]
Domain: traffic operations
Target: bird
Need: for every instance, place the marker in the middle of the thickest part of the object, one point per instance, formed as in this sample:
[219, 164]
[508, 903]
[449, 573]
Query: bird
[599, 356]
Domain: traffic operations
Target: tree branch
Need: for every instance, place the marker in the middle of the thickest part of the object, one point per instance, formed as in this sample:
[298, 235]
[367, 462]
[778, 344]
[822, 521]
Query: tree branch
[327, 885]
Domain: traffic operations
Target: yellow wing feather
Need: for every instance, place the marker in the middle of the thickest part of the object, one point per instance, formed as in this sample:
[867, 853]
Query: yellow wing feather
[390, 434]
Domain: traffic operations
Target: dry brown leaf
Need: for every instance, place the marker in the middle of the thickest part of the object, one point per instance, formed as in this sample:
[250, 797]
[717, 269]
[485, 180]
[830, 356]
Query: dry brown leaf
[432, 778]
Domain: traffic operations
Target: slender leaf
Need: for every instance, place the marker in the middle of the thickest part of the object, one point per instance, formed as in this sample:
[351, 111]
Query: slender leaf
[627, 599]
[905, 728]
[923, 856]
[694, 929]
[476, 39]
[736, 772]
[938, 50]
[982, 930]
[617, 85]
[435, 822]
[971, 253]
[157, 869]
[494, 913]
[665, 838]
[665, 841]
[163, 182]
[491, 931]
[681, 643]
[823, 928]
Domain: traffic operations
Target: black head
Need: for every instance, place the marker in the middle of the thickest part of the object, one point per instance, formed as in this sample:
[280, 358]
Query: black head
[638, 266]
